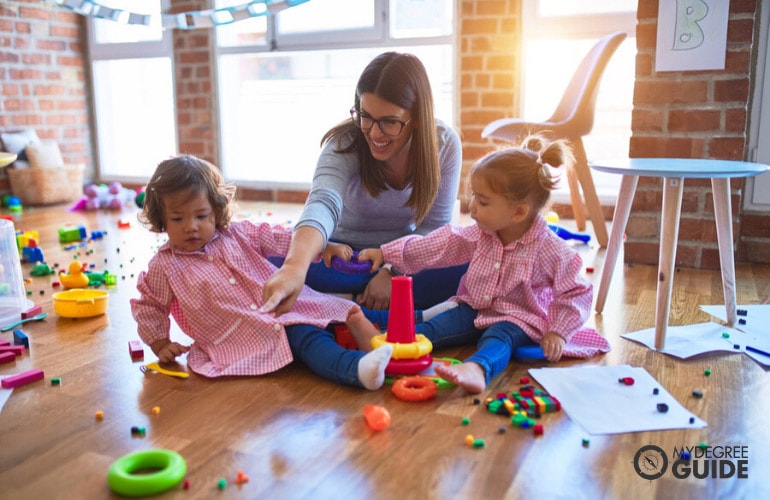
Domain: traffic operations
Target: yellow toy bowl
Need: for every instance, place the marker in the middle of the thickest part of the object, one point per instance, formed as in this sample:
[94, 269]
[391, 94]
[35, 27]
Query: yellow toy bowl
[6, 158]
[80, 303]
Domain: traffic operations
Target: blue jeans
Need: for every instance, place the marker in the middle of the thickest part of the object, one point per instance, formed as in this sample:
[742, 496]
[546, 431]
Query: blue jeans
[318, 349]
[495, 345]
[429, 287]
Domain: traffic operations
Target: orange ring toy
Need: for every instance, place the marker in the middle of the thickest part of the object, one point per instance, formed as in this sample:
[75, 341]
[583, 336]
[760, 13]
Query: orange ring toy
[414, 388]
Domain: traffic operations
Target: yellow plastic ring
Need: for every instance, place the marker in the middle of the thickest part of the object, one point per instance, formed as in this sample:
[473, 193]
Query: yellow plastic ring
[413, 350]
[168, 467]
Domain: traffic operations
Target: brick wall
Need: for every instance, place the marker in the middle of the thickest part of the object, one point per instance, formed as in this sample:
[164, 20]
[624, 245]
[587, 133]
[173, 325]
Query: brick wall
[687, 114]
[694, 114]
[44, 77]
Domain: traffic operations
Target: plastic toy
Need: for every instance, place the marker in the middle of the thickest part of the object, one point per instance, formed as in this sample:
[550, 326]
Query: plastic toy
[135, 349]
[411, 352]
[23, 378]
[12, 203]
[7, 357]
[566, 234]
[377, 417]
[414, 388]
[155, 367]
[128, 475]
[76, 278]
[71, 234]
[20, 338]
[353, 266]
[140, 194]
[113, 197]
[42, 269]
[78, 303]
[37, 317]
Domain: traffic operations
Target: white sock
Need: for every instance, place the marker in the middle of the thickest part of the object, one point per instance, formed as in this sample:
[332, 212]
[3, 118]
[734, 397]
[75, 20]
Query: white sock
[439, 308]
[371, 368]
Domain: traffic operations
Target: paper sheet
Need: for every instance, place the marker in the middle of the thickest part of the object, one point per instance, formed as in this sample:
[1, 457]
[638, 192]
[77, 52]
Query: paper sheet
[594, 399]
[691, 340]
[757, 317]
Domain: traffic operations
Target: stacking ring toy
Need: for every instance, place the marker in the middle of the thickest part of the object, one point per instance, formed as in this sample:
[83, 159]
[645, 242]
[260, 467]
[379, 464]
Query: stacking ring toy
[167, 469]
[414, 388]
[412, 350]
[353, 266]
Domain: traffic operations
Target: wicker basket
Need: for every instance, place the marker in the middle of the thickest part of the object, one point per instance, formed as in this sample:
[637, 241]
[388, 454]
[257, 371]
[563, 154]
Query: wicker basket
[47, 186]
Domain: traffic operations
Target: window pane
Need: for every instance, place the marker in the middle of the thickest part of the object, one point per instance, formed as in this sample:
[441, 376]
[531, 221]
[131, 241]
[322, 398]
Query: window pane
[420, 18]
[559, 8]
[326, 15]
[246, 32]
[109, 31]
[275, 107]
[134, 114]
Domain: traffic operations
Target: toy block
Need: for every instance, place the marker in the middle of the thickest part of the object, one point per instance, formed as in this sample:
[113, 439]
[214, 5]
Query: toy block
[71, 234]
[135, 349]
[17, 350]
[4, 342]
[20, 338]
[23, 378]
[32, 311]
[7, 357]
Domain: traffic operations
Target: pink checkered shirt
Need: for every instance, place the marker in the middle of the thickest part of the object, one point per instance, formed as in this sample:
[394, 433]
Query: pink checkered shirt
[215, 294]
[534, 282]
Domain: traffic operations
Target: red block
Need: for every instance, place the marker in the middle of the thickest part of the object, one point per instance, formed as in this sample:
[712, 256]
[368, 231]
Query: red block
[17, 350]
[4, 342]
[135, 349]
[7, 357]
[23, 378]
[32, 311]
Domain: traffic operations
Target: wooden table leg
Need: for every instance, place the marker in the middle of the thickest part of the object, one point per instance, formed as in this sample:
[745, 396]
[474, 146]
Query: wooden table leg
[669, 234]
[723, 214]
[619, 220]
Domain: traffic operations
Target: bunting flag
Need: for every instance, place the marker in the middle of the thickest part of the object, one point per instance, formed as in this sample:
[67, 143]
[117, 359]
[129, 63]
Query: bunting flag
[182, 20]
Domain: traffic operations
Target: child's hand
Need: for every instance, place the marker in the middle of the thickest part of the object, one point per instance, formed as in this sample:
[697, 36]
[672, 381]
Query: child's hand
[552, 345]
[167, 351]
[340, 250]
[373, 254]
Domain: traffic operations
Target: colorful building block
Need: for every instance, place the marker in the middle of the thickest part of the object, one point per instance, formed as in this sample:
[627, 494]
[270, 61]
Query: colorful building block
[20, 338]
[23, 378]
[135, 349]
[17, 350]
[7, 357]
[71, 234]
[32, 311]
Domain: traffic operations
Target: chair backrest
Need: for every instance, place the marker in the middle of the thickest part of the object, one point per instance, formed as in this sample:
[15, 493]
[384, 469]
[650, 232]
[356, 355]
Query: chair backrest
[577, 105]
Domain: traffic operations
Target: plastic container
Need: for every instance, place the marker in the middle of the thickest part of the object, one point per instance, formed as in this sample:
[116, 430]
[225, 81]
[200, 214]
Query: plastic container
[13, 296]
[80, 303]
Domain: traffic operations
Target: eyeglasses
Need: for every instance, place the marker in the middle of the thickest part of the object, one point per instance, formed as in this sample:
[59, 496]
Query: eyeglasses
[389, 126]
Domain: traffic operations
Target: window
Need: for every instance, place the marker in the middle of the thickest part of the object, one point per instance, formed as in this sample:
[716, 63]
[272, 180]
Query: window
[132, 73]
[557, 34]
[284, 80]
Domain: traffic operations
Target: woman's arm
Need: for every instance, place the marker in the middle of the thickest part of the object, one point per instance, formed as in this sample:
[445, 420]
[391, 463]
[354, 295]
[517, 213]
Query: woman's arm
[284, 286]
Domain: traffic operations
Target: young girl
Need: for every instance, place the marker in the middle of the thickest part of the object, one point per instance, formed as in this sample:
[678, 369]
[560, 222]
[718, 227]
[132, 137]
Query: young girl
[523, 285]
[209, 278]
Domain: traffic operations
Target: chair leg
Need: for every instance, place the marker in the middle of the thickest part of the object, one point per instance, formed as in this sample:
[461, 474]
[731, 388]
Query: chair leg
[577, 201]
[589, 191]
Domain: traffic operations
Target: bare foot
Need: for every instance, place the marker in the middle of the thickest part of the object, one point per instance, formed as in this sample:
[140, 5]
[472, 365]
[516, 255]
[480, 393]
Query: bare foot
[361, 329]
[469, 376]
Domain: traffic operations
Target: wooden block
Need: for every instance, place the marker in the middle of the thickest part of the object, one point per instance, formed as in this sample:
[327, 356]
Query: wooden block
[23, 378]
[32, 311]
[135, 349]
[7, 357]
[17, 350]
[20, 338]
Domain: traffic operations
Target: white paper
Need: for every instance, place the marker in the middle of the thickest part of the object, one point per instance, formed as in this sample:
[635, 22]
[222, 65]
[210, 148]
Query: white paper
[757, 317]
[692, 35]
[594, 399]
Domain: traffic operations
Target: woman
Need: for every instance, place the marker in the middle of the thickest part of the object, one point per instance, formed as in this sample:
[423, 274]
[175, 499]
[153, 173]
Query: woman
[390, 171]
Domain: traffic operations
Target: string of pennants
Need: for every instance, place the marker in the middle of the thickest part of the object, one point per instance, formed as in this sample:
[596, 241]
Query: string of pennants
[184, 20]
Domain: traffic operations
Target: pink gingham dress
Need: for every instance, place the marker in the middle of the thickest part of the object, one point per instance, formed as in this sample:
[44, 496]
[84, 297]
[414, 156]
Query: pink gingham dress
[214, 295]
[534, 282]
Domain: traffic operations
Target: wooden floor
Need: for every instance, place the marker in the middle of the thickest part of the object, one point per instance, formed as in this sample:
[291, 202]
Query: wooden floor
[298, 436]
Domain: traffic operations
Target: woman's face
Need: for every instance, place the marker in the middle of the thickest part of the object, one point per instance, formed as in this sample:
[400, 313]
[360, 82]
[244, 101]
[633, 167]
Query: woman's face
[385, 147]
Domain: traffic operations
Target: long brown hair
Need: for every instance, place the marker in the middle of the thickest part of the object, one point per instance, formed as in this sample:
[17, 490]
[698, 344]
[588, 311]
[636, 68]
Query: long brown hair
[186, 173]
[400, 79]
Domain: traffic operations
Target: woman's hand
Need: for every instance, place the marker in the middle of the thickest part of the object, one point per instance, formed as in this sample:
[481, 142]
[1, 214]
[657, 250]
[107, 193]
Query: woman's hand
[552, 345]
[167, 351]
[377, 292]
[282, 289]
[333, 249]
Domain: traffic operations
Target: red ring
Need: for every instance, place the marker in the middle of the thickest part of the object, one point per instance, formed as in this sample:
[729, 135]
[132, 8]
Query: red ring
[414, 388]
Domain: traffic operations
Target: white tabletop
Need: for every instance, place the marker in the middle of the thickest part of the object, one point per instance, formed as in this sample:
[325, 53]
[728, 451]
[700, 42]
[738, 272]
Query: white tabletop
[704, 168]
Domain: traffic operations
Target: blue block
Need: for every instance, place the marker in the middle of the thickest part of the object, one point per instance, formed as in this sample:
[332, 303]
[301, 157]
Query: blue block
[19, 338]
